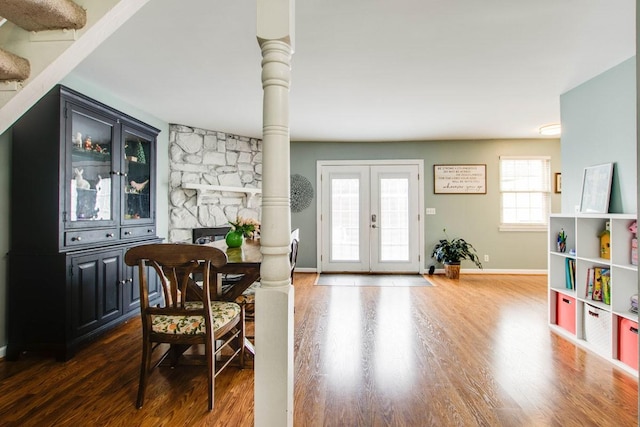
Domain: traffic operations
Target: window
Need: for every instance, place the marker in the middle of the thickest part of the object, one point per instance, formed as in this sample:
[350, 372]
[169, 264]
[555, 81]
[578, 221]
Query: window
[525, 187]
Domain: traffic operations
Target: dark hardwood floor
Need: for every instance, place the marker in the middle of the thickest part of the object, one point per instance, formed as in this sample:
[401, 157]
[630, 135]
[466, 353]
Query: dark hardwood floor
[473, 352]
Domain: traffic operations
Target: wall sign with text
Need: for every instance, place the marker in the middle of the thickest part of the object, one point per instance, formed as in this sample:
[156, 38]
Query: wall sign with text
[460, 179]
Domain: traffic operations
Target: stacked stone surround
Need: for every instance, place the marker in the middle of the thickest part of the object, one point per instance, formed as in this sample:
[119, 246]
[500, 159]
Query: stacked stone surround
[215, 158]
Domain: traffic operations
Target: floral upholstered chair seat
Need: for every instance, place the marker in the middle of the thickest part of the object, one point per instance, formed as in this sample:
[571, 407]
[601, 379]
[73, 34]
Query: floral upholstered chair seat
[249, 295]
[221, 313]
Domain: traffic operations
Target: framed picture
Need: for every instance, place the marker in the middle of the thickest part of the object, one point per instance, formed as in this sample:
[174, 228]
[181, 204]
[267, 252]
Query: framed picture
[596, 188]
[460, 179]
[558, 183]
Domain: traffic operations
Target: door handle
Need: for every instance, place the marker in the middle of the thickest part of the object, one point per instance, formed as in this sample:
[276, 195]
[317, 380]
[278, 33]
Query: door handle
[373, 226]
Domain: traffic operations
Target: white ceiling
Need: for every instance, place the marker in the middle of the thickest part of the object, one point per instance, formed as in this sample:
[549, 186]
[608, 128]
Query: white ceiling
[368, 70]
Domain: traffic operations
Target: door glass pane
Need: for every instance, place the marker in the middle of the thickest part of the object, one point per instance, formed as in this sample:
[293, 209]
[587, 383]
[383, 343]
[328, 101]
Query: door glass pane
[345, 222]
[137, 154]
[91, 154]
[394, 219]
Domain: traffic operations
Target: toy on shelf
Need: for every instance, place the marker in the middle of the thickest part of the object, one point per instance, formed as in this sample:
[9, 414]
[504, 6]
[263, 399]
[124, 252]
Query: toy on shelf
[81, 183]
[562, 241]
[77, 140]
[605, 241]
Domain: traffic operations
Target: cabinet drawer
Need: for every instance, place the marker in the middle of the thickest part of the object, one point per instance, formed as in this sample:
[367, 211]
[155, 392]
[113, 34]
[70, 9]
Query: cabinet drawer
[137, 232]
[76, 238]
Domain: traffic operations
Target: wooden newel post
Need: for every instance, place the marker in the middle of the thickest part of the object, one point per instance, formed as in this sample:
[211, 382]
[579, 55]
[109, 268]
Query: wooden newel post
[274, 300]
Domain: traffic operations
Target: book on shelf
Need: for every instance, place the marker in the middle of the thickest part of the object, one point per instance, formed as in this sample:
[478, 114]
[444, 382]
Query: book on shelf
[570, 273]
[589, 285]
[606, 286]
[601, 285]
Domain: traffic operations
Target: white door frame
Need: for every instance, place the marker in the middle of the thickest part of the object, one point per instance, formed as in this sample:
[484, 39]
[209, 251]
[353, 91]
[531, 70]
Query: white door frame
[419, 162]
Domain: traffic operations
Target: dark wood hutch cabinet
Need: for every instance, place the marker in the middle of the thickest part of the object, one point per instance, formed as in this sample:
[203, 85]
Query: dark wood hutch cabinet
[82, 193]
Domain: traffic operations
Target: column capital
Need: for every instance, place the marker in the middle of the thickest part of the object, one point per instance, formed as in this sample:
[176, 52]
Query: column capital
[276, 21]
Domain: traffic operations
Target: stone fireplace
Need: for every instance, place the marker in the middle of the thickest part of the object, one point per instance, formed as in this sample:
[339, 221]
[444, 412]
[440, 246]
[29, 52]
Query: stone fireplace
[214, 177]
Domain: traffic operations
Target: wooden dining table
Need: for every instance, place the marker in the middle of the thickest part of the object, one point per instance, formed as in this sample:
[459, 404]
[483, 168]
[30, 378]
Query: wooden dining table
[243, 264]
[242, 270]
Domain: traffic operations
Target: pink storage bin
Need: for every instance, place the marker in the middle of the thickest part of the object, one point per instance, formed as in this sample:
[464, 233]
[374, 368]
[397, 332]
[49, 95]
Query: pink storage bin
[628, 342]
[566, 312]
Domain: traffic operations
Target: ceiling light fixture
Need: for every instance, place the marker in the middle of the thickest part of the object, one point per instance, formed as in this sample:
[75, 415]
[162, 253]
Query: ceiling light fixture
[550, 130]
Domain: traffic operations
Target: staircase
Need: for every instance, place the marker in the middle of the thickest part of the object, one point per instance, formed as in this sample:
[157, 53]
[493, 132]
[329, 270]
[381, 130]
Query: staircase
[34, 15]
[41, 41]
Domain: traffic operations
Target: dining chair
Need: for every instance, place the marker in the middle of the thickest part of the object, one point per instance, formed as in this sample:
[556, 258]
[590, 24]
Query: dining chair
[188, 316]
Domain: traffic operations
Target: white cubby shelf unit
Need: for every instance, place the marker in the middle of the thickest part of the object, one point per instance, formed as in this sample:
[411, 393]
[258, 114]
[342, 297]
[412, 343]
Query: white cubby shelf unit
[583, 245]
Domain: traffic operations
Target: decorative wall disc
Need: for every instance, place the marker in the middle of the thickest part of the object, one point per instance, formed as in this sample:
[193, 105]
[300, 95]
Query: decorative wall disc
[301, 193]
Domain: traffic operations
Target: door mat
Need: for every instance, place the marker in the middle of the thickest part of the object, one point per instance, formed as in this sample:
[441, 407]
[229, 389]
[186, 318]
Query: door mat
[397, 280]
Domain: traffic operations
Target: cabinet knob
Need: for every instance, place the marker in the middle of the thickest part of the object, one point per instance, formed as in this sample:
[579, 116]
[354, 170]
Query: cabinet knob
[150, 230]
[127, 233]
[110, 234]
[76, 239]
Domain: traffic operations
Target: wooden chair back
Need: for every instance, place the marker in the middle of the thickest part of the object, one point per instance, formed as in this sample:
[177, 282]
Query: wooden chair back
[186, 307]
[175, 265]
[202, 236]
[293, 255]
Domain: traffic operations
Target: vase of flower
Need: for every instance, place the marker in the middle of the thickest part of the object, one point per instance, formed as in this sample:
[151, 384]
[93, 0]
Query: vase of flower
[242, 227]
[234, 238]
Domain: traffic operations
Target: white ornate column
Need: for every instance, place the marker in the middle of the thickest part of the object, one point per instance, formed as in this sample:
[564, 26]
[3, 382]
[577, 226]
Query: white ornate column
[274, 300]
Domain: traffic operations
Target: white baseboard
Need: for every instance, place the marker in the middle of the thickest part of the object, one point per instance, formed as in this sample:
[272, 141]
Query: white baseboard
[494, 271]
[464, 270]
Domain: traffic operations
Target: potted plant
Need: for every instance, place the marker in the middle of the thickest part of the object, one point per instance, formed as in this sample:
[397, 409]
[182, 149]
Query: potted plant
[451, 252]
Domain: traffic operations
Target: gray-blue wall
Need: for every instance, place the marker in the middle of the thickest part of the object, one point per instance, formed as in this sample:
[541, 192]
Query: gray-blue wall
[599, 126]
[476, 218]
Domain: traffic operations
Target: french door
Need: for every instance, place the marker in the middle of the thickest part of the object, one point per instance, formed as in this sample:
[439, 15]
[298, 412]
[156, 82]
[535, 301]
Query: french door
[370, 217]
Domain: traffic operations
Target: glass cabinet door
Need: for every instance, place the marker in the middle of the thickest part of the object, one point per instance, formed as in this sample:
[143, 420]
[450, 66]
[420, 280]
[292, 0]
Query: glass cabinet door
[137, 205]
[90, 139]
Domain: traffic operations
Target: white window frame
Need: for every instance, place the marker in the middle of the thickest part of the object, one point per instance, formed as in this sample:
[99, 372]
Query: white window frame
[545, 191]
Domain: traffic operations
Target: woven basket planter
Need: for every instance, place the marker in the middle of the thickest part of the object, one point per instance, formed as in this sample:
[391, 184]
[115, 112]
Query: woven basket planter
[452, 271]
